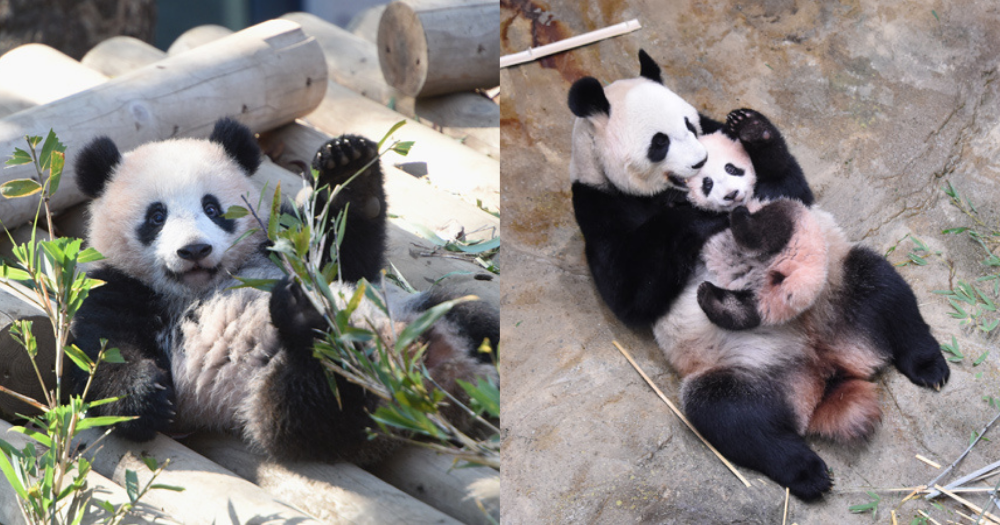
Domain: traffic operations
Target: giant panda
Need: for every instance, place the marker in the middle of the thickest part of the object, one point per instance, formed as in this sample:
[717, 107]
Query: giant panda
[635, 142]
[782, 327]
[644, 250]
[202, 354]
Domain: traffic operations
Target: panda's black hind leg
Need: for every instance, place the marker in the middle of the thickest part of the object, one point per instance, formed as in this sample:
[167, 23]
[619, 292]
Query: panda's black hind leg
[362, 250]
[749, 422]
[882, 304]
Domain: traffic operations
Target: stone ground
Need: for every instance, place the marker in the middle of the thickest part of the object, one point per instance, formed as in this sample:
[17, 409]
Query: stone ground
[883, 103]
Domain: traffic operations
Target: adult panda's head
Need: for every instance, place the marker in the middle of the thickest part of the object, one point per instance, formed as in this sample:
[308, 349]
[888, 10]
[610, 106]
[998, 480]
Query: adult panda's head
[157, 213]
[635, 134]
[727, 179]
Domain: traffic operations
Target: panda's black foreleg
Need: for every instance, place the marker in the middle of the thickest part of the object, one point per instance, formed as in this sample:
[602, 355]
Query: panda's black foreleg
[882, 304]
[129, 315]
[778, 172]
[362, 249]
[766, 231]
[296, 414]
[749, 421]
[729, 309]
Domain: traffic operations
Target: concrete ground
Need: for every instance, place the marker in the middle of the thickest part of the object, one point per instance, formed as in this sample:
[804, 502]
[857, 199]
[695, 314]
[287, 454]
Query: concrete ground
[883, 103]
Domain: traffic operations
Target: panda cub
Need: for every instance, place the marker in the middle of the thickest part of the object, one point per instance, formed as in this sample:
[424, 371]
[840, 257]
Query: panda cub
[781, 329]
[201, 354]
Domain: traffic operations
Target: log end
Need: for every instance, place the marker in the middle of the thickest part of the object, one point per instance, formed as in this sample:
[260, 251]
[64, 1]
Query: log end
[402, 49]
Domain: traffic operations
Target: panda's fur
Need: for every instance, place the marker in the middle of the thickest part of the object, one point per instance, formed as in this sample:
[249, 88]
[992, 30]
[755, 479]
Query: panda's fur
[780, 333]
[743, 390]
[202, 354]
[726, 180]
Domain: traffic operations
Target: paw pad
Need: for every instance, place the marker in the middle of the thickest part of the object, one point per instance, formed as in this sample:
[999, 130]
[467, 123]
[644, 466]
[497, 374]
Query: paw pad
[749, 127]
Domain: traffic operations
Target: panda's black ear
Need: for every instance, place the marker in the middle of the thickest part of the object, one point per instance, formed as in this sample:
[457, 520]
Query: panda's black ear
[648, 68]
[94, 165]
[586, 98]
[238, 142]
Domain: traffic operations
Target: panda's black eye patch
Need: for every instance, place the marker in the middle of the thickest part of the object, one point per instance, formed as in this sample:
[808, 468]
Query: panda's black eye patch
[734, 171]
[213, 210]
[706, 185]
[658, 147]
[156, 216]
[690, 126]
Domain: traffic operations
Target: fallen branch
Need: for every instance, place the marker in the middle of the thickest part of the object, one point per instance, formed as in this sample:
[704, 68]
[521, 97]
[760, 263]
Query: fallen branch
[933, 482]
[678, 413]
[573, 42]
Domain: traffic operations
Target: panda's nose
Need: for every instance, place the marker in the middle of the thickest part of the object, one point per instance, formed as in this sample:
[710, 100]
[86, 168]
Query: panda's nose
[732, 195]
[194, 252]
[700, 164]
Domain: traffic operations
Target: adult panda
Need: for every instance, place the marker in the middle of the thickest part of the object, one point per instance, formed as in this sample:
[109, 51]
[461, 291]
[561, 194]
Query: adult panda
[780, 331]
[634, 143]
[202, 354]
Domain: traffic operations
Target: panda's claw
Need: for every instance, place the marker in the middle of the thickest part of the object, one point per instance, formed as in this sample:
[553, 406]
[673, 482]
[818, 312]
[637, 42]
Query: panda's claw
[342, 157]
[750, 127]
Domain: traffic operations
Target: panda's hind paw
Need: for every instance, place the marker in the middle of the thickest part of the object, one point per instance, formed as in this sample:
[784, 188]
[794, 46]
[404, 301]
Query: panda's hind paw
[750, 127]
[341, 157]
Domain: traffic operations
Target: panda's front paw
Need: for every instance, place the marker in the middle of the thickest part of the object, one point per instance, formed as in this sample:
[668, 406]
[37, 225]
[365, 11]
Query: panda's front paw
[294, 315]
[928, 369]
[149, 397]
[728, 309]
[765, 232]
[340, 158]
[750, 128]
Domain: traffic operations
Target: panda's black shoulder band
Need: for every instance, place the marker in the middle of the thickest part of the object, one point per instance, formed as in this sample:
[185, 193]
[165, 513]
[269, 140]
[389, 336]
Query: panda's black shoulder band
[239, 143]
[95, 164]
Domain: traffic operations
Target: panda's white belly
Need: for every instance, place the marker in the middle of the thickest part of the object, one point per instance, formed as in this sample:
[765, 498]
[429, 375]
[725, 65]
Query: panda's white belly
[217, 347]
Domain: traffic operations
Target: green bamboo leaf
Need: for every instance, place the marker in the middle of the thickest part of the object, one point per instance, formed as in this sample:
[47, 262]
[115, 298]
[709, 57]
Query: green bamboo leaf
[236, 212]
[981, 358]
[102, 421]
[19, 157]
[403, 148]
[81, 359]
[260, 284]
[150, 463]
[167, 487]
[113, 355]
[16, 188]
[34, 434]
[11, 475]
[56, 170]
[89, 255]
[132, 485]
[484, 394]
[51, 146]
[394, 127]
[426, 319]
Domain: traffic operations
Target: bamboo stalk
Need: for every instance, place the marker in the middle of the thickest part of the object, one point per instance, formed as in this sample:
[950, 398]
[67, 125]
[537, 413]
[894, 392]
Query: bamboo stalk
[535, 53]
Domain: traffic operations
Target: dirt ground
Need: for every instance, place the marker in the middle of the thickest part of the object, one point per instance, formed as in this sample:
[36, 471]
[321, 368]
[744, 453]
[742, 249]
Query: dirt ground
[884, 104]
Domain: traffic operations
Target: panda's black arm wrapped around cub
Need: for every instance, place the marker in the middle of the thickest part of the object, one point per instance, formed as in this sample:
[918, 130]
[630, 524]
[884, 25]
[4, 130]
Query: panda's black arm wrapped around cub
[641, 250]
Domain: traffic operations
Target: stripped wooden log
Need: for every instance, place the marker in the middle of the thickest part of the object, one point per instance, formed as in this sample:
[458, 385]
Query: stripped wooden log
[265, 75]
[38, 74]
[100, 488]
[121, 54]
[433, 47]
[434, 479]
[211, 492]
[339, 493]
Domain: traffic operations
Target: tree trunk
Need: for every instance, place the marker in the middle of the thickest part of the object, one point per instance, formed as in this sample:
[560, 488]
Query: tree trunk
[74, 26]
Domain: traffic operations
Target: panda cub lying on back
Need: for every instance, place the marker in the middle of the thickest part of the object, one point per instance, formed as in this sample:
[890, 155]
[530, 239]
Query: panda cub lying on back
[202, 355]
[792, 317]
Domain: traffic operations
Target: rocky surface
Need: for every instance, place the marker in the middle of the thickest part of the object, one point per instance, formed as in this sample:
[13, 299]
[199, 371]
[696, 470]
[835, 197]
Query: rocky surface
[883, 103]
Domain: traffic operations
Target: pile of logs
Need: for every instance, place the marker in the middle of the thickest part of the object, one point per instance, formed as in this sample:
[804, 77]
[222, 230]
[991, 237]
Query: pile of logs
[296, 81]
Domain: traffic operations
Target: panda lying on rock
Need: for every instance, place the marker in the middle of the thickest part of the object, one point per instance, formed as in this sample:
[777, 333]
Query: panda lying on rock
[761, 367]
[202, 355]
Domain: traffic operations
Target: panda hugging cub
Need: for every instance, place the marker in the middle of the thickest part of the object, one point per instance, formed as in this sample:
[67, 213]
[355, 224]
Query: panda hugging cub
[774, 321]
[201, 354]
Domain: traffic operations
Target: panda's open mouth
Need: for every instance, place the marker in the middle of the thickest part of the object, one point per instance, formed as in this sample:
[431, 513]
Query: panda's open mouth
[677, 182]
[195, 276]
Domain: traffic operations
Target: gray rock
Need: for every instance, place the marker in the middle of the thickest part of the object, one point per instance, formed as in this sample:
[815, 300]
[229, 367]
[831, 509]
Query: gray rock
[882, 103]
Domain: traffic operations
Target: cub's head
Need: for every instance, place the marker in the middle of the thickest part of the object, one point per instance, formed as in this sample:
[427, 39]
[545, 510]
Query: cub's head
[726, 180]
[158, 210]
[635, 133]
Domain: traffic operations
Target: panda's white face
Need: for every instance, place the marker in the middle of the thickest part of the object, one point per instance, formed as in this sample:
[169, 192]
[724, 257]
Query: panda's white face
[727, 178]
[159, 219]
[649, 142]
